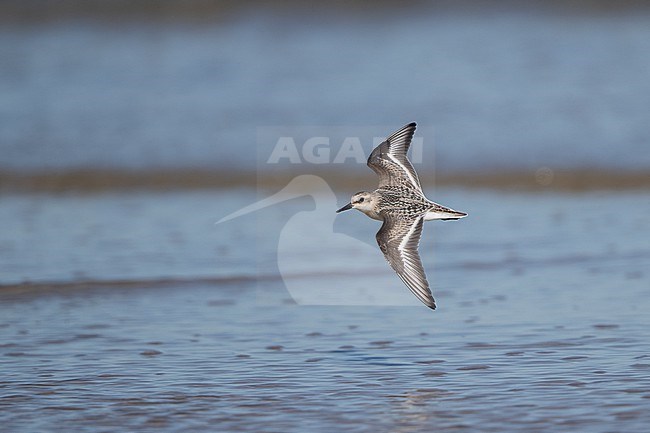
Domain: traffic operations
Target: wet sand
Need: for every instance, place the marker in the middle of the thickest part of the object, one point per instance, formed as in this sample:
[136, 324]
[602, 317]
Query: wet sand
[90, 181]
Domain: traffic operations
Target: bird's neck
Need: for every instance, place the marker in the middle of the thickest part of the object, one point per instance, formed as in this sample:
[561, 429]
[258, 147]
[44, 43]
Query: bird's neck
[372, 214]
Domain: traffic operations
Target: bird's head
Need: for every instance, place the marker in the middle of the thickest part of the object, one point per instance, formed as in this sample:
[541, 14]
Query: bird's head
[364, 201]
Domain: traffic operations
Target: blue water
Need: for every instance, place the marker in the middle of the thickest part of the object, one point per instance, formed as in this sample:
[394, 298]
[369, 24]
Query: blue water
[162, 320]
[132, 310]
[507, 89]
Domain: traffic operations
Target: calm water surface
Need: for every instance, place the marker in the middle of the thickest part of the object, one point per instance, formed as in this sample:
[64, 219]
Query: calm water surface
[542, 322]
[545, 89]
[133, 311]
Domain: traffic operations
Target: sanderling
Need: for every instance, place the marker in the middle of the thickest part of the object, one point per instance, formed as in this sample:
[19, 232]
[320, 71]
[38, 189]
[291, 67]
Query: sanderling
[400, 203]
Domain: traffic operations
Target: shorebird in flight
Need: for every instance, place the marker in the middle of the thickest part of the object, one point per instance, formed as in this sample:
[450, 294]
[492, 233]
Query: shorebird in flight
[400, 203]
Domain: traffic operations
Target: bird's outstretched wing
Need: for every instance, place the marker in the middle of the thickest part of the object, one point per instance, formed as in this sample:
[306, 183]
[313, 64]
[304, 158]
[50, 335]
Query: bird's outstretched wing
[398, 239]
[389, 160]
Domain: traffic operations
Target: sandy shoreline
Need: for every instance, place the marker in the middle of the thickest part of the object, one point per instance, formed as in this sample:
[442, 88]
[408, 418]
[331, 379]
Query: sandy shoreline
[103, 180]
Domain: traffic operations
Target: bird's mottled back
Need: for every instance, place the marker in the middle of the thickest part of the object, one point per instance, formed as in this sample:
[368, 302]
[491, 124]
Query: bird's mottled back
[401, 204]
[402, 201]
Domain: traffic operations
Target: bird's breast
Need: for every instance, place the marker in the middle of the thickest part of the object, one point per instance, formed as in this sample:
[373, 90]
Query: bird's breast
[373, 214]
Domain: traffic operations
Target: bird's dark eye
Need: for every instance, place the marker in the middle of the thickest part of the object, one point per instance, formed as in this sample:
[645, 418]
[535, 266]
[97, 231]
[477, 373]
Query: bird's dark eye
[361, 200]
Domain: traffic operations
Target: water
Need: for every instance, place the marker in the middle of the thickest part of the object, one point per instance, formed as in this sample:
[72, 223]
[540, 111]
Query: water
[204, 358]
[123, 306]
[545, 89]
[542, 319]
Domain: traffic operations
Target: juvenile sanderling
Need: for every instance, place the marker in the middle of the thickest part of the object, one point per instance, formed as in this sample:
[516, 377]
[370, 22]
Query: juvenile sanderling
[400, 203]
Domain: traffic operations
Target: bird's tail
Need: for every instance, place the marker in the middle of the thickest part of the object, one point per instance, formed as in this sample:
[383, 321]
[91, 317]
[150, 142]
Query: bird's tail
[438, 212]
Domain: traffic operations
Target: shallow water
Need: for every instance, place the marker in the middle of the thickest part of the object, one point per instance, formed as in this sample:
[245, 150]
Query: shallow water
[542, 319]
[124, 307]
[561, 90]
[204, 357]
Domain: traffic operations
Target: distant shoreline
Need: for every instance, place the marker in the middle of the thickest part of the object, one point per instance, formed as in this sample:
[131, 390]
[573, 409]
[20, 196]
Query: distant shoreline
[208, 10]
[99, 180]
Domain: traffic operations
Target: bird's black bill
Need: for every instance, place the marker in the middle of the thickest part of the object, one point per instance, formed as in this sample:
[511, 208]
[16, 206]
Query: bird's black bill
[346, 207]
